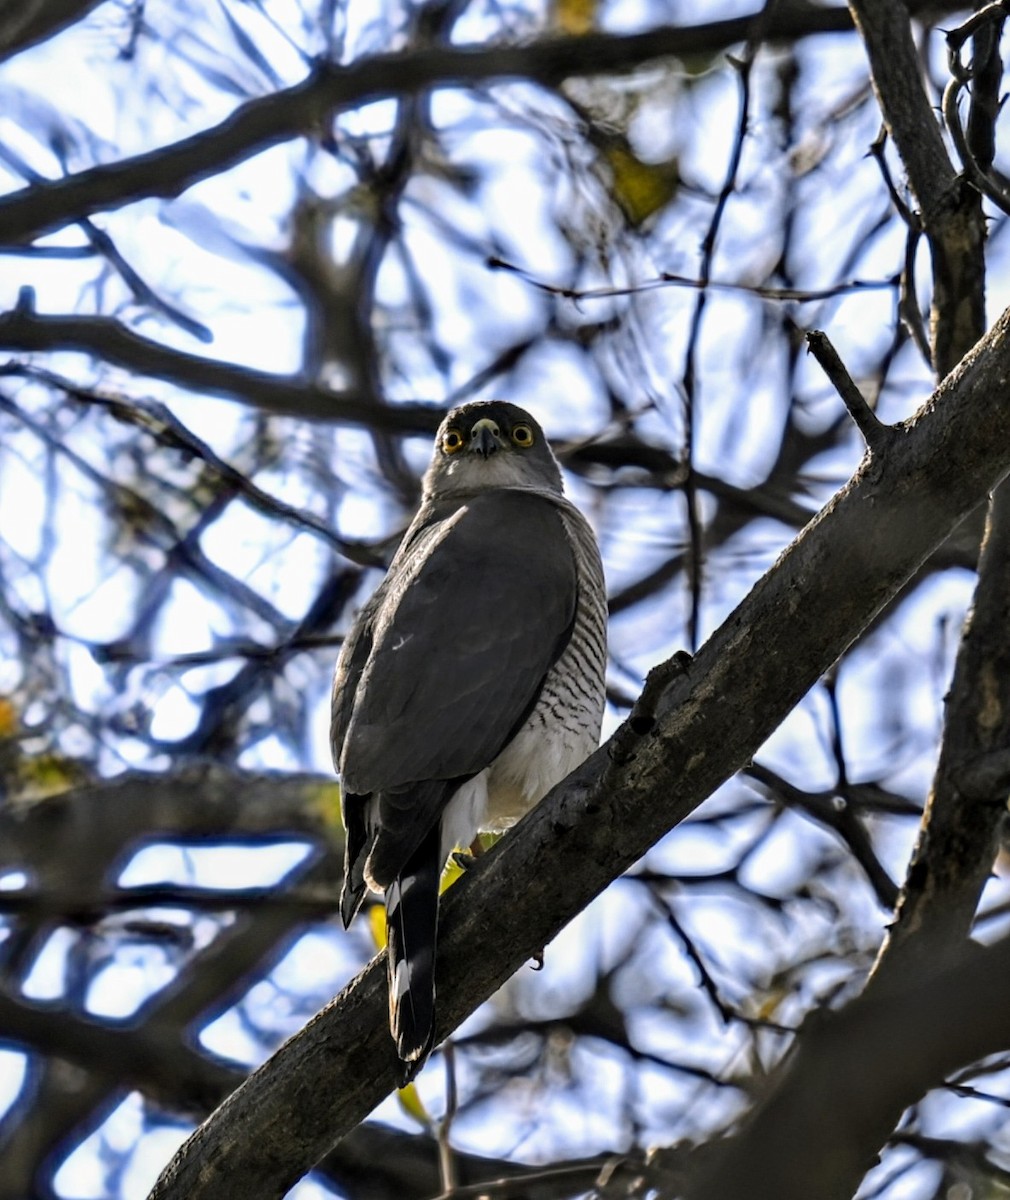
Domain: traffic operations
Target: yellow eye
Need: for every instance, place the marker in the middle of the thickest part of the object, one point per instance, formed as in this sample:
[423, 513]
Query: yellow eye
[522, 435]
[452, 440]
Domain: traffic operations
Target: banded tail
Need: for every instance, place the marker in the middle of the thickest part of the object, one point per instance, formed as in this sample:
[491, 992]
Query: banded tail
[411, 932]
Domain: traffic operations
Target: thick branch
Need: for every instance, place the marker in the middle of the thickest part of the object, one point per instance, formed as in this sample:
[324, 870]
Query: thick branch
[951, 211]
[957, 843]
[306, 109]
[152, 1059]
[31, 21]
[960, 830]
[371, 1161]
[800, 617]
[897, 80]
[100, 821]
[24, 330]
[831, 1104]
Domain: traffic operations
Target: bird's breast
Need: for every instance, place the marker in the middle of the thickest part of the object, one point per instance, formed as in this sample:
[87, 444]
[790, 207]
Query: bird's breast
[563, 727]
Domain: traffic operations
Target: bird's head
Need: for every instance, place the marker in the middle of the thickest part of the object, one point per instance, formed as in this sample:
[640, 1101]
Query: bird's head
[490, 444]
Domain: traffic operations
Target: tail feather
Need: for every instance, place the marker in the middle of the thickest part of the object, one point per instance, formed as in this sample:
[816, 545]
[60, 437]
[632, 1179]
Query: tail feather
[352, 893]
[356, 844]
[411, 930]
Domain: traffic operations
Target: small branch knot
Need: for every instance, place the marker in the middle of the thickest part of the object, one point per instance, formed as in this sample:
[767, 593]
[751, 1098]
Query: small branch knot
[642, 719]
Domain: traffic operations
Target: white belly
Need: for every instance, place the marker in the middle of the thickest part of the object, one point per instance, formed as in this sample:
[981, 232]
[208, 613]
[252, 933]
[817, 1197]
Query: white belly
[541, 754]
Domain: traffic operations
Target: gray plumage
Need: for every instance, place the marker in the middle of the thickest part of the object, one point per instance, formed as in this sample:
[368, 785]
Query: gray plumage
[471, 683]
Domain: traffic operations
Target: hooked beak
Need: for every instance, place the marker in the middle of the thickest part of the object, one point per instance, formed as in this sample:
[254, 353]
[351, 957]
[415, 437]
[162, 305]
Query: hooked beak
[485, 437]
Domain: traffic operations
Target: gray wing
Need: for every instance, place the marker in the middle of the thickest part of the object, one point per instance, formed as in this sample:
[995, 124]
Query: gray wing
[475, 611]
[351, 662]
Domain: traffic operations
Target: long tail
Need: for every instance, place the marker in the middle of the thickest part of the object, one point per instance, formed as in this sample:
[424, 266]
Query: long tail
[411, 931]
[356, 846]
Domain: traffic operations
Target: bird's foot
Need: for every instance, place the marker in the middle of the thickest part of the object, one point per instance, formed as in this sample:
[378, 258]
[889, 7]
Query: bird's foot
[464, 859]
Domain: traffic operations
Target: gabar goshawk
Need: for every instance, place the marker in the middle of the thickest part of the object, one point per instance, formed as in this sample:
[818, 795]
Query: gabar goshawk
[470, 683]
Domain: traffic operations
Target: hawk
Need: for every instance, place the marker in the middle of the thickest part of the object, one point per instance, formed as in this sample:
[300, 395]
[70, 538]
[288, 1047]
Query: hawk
[470, 684]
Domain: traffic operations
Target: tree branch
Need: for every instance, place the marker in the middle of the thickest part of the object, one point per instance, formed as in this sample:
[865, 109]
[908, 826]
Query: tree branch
[831, 1104]
[308, 107]
[875, 433]
[150, 1058]
[24, 330]
[960, 828]
[958, 839]
[848, 562]
[100, 821]
[33, 21]
[372, 1161]
[950, 210]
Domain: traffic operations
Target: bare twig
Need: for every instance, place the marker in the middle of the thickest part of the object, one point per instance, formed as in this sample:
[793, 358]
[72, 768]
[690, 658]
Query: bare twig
[908, 304]
[160, 422]
[842, 819]
[708, 984]
[695, 560]
[573, 1179]
[976, 147]
[667, 279]
[875, 433]
[980, 180]
[446, 1156]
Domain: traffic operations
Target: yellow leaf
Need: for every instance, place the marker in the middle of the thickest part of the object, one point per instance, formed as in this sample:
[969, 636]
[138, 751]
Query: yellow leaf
[8, 718]
[377, 923]
[410, 1102]
[575, 16]
[769, 1006]
[640, 188]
